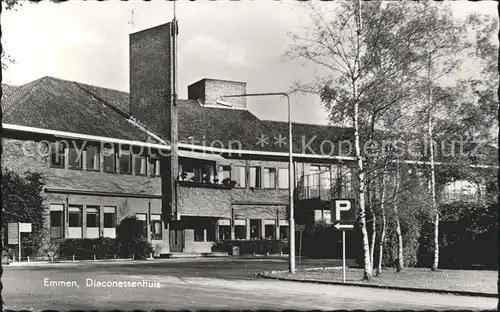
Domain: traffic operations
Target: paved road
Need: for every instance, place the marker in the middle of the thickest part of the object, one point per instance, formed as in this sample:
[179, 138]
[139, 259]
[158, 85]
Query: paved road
[203, 284]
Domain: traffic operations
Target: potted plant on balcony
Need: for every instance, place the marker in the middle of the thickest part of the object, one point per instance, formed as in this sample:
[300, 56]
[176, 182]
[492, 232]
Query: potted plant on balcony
[206, 179]
[183, 176]
[228, 183]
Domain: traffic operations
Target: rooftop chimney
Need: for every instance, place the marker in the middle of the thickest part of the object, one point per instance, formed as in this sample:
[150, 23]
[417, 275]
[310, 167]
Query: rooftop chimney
[151, 77]
[210, 92]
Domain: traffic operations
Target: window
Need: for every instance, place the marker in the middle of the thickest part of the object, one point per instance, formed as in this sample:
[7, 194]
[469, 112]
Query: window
[283, 231]
[240, 231]
[239, 176]
[270, 178]
[140, 165]
[92, 216]
[254, 177]
[255, 228]
[75, 216]
[224, 173]
[56, 221]
[92, 222]
[346, 182]
[125, 161]
[109, 217]
[142, 217]
[109, 221]
[224, 232]
[269, 231]
[109, 159]
[156, 227]
[196, 171]
[57, 155]
[74, 158]
[199, 234]
[283, 178]
[155, 162]
[92, 158]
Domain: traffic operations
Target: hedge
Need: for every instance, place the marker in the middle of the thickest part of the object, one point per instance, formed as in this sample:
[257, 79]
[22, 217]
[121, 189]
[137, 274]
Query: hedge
[102, 248]
[262, 246]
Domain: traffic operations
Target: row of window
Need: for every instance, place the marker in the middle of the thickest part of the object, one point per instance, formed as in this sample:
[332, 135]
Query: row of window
[93, 224]
[255, 177]
[240, 231]
[89, 158]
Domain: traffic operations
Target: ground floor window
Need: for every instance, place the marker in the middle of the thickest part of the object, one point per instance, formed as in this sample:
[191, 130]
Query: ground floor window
[75, 221]
[156, 227]
[92, 216]
[109, 222]
[56, 221]
[270, 231]
[199, 234]
[255, 229]
[240, 229]
[284, 232]
[142, 217]
[224, 232]
[75, 216]
[92, 222]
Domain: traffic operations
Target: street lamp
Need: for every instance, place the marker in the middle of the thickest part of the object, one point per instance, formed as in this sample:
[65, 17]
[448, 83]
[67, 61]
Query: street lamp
[290, 173]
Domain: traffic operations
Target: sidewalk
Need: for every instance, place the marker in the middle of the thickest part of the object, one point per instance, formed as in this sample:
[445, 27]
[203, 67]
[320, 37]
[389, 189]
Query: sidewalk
[129, 261]
[458, 282]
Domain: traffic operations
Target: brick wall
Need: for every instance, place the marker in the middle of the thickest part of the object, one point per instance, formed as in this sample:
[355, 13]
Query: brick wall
[150, 78]
[270, 212]
[21, 155]
[205, 202]
[211, 90]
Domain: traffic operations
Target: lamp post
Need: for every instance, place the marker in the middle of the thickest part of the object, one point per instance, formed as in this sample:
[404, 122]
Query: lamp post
[291, 221]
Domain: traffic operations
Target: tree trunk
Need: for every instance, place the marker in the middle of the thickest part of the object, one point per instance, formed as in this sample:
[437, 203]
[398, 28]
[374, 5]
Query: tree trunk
[433, 178]
[374, 227]
[400, 259]
[367, 274]
[361, 196]
[382, 235]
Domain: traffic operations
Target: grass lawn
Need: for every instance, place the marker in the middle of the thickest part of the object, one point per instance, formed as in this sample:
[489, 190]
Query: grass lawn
[459, 280]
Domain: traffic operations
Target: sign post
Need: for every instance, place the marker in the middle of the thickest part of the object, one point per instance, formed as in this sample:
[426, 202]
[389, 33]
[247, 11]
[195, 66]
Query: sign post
[301, 229]
[343, 256]
[345, 216]
[19, 239]
[14, 231]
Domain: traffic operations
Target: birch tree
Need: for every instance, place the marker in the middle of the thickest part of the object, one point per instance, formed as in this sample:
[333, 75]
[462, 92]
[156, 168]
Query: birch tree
[384, 222]
[364, 64]
[440, 48]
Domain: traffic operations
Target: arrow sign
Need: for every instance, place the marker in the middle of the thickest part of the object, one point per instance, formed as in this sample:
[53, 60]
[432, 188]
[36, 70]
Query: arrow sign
[344, 227]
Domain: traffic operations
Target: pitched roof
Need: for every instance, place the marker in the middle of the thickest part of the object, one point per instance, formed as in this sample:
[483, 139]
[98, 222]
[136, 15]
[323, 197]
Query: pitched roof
[56, 104]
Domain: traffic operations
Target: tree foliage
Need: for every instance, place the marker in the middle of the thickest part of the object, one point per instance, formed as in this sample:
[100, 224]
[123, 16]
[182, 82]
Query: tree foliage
[22, 201]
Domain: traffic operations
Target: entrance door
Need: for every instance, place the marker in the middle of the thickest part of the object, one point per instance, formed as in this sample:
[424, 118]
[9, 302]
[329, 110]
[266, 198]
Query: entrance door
[176, 238]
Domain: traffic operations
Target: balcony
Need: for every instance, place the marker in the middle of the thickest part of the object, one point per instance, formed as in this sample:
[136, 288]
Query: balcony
[322, 186]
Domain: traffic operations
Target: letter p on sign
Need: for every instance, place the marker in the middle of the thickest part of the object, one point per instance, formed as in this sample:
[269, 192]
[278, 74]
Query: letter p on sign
[344, 210]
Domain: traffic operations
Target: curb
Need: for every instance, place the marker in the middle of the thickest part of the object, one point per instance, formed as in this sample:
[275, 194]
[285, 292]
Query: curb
[426, 290]
[70, 262]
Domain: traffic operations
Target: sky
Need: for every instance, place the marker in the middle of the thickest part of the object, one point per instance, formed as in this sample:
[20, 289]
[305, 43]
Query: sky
[232, 40]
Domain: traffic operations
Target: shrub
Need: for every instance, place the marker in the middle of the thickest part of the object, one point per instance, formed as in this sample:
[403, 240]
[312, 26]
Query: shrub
[131, 240]
[50, 250]
[85, 249]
